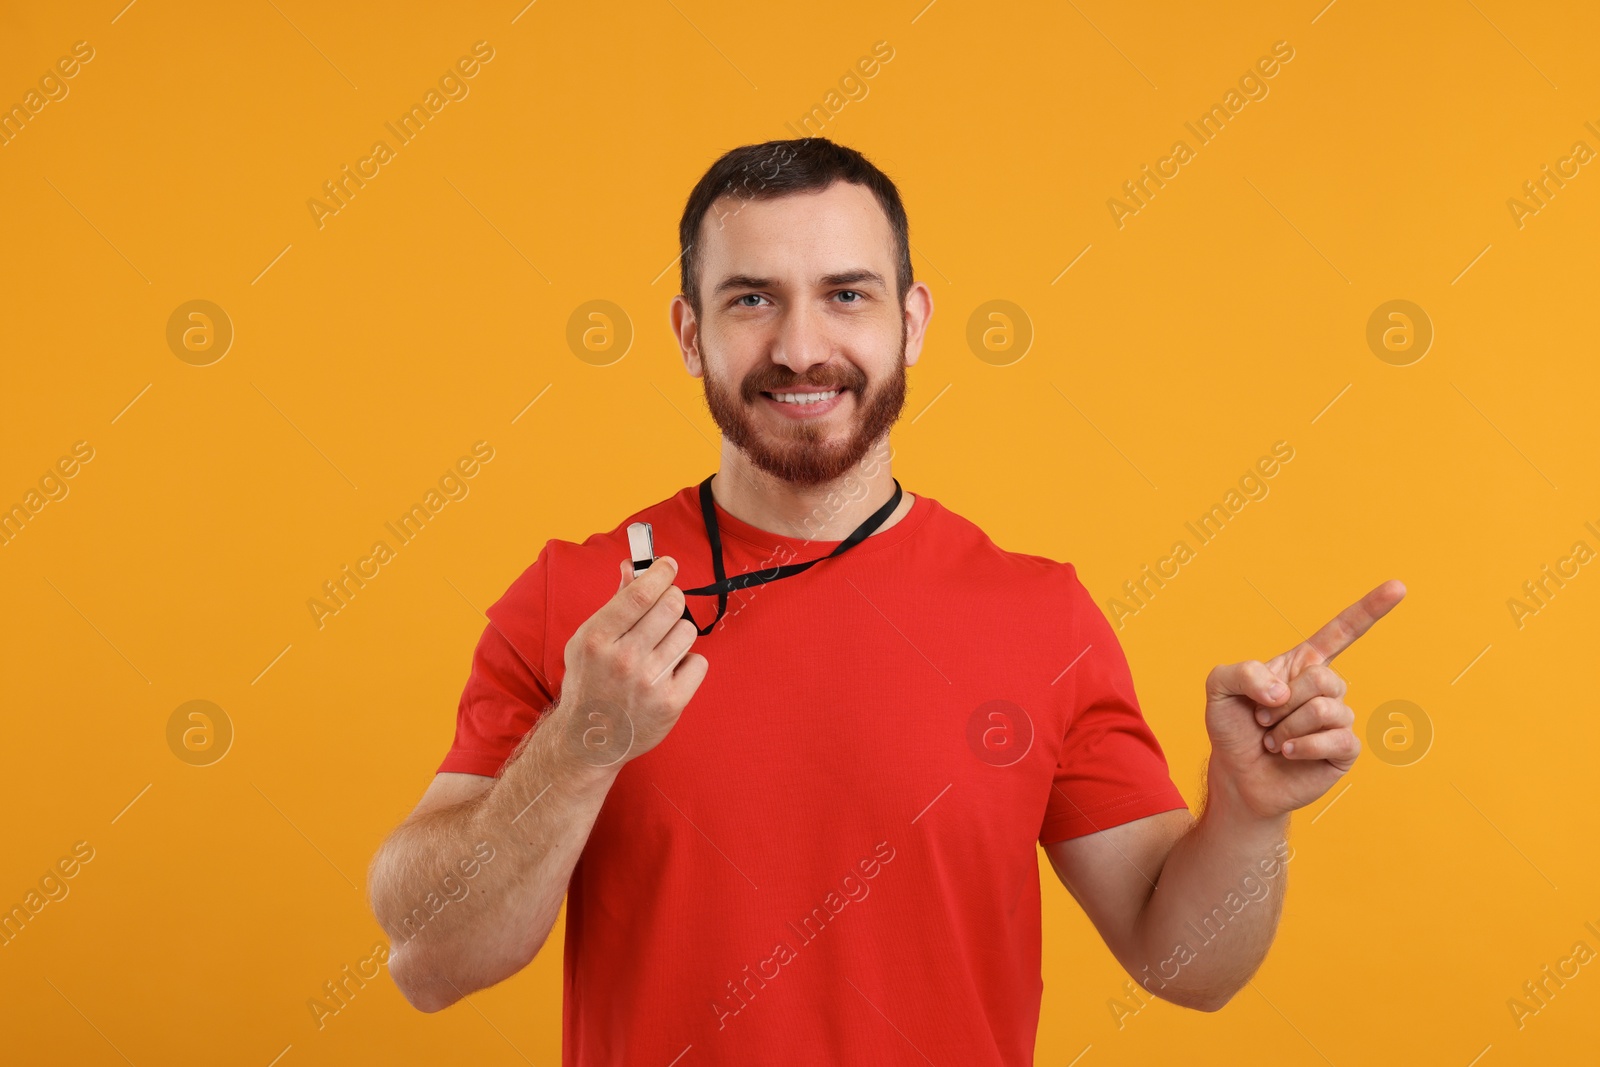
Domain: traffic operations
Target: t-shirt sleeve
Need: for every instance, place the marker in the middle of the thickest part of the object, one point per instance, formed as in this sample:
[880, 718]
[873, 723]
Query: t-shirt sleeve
[508, 688]
[1111, 769]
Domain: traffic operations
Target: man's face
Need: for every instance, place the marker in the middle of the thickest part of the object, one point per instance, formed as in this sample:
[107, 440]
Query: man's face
[798, 299]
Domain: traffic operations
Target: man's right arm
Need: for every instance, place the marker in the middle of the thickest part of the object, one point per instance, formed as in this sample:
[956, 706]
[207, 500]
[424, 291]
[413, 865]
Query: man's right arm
[535, 817]
[629, 674]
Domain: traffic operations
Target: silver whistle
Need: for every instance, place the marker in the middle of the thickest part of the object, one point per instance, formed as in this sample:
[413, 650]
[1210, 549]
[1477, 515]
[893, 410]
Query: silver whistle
[641, 547]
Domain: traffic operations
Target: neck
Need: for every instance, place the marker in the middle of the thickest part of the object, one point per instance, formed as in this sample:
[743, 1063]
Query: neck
[827, 511]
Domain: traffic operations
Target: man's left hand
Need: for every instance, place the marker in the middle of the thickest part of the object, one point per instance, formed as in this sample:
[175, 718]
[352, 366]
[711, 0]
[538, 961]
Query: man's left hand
[1280, 732]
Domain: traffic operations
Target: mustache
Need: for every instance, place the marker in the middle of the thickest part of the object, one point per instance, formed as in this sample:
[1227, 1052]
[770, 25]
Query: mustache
[815, 379]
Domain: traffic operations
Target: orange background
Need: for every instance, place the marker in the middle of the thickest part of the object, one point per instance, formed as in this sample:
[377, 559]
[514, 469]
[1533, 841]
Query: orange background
[369, 354]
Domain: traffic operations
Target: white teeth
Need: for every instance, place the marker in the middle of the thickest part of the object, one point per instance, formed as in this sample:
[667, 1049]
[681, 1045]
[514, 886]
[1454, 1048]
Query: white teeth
[804, 398]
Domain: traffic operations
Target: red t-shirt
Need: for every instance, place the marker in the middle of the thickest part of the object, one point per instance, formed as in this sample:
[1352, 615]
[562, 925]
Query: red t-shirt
[832, 857]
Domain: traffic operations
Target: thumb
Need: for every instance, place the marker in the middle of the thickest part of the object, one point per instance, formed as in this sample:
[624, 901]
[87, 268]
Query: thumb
[627, 574]
[1251, 679]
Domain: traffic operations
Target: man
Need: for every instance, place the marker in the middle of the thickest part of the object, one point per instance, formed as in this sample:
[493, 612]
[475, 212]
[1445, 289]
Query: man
[812, 838]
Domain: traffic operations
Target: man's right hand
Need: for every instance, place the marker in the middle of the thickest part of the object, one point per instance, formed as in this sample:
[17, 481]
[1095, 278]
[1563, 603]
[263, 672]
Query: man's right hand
[629, 671]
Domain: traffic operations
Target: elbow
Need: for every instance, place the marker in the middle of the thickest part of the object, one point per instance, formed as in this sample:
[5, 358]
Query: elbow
[431, 984]
[425, 988]
[1207, 1000]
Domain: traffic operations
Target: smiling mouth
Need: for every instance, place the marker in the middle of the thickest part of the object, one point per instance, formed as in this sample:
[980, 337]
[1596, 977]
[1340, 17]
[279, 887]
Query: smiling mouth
[802, 398]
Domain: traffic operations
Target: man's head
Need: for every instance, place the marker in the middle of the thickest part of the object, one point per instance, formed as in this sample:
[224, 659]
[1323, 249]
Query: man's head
[796, 275]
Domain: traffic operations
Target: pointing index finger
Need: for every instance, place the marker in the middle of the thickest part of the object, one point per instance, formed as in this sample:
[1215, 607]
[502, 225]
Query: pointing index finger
[1341, 632]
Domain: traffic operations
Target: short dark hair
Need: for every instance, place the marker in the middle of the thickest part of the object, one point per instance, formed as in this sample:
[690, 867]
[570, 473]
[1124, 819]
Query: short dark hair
[772, 169]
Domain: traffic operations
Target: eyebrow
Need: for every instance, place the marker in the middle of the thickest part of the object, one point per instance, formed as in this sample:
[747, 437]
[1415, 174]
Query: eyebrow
[848, 277]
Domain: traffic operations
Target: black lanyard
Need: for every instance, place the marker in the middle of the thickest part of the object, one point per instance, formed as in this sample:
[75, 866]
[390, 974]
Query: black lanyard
[724, 585]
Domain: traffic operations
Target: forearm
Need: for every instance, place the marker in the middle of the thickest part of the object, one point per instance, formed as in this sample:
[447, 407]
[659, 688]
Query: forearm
[1213, 914]
[536, 818]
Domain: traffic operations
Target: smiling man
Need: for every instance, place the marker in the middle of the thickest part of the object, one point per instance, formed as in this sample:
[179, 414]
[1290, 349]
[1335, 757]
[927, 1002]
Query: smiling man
[796, 821]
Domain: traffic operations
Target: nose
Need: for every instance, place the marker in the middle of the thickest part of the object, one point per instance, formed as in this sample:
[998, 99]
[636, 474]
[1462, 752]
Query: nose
[802, 341]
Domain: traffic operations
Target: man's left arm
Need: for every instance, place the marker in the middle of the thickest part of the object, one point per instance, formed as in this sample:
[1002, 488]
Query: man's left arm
[1189, 907]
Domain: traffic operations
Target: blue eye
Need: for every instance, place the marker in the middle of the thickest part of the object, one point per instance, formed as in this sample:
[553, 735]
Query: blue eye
[748, 296]
[853, 293]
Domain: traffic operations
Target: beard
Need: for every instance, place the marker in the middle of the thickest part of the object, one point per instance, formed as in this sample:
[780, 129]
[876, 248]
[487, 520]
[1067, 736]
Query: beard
[800, 452]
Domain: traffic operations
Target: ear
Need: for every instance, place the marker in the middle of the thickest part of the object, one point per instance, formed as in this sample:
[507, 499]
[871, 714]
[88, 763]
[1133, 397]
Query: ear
[687, 330]
[918, 311]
